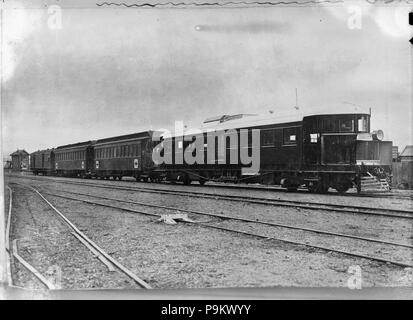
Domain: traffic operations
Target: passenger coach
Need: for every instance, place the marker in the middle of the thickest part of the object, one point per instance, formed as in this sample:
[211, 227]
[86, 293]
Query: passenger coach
[127, 155]
[75, 160]
[42, 162]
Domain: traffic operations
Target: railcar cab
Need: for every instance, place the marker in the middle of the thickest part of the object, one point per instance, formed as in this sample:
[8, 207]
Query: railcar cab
[341, 148]
[331, 139]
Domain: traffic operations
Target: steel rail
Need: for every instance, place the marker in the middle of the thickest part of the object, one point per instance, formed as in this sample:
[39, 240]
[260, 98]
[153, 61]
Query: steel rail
[358, 255]
[32, 269]
[222, 216]
[256, 200]
[7, 244]
[405, 214]
[126, 271]
[300, 190]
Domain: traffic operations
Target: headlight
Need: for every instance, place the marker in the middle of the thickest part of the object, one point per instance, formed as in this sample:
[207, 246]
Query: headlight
[378, 135]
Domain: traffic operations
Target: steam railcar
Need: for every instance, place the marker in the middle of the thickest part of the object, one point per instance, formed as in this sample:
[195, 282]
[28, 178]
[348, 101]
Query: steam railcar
[318, 151]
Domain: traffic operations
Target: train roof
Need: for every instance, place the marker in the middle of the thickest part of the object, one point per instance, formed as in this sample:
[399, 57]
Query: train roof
[125, 137]
[43, 151]
[74, 145]
[247, 121]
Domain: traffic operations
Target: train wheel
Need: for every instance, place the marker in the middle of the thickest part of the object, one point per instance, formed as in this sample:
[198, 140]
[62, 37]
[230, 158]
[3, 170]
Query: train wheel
[341, 188]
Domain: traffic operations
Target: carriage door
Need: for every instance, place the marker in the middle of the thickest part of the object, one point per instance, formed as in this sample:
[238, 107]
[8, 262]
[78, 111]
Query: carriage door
[311, 143]
[146, 146]
[338, 148]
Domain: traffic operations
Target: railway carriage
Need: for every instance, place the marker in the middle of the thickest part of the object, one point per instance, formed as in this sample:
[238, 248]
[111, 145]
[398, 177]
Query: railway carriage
[75, 160]
[42, 162]
[127, 155]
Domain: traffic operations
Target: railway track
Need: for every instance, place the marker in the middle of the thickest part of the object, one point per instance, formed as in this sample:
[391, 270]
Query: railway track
[244, 220]
[104, 257]
[300, 190]
[348, 209]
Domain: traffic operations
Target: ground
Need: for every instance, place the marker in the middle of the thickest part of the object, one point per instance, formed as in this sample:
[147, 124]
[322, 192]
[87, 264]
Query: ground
[193, 256]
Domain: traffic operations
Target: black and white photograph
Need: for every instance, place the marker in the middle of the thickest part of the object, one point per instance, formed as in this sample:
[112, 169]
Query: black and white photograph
[206, 150]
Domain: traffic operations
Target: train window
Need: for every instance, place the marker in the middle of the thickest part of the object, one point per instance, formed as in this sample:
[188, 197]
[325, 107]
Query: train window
[313, 137]
[268, 138]
[346, 125]
[362, 124]
[180, 144]
[290, 135]
[330, 125]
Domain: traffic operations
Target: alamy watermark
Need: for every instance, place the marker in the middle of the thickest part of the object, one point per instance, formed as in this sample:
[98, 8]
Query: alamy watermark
[208, 146]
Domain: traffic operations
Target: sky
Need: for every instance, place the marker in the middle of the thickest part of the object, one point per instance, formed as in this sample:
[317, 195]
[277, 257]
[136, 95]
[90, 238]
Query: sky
[107, 71]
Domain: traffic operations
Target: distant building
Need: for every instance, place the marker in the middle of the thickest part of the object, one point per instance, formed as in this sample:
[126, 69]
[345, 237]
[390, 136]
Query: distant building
[395, 154]
[407, 166]
[7, 164]
[20, 160]
[407, 154]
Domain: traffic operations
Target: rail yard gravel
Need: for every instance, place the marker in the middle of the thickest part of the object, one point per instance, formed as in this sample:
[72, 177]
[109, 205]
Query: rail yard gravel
[177, 256]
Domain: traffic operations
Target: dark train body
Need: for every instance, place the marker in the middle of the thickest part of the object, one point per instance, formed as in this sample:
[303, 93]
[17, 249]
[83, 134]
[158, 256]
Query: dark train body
[318, 151]
[128, 155]
[74, 159]
[42, 162]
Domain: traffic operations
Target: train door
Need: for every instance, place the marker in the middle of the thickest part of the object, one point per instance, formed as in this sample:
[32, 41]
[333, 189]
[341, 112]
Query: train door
[338, 149]
[146, 147]
[311, 143]
[90, 157]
